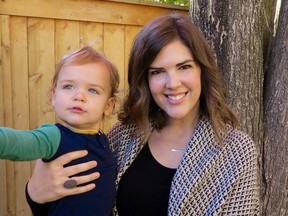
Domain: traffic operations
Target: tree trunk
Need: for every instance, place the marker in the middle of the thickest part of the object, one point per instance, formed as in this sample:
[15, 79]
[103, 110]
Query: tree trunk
[276, 122]
[234, 30]
[240, 33]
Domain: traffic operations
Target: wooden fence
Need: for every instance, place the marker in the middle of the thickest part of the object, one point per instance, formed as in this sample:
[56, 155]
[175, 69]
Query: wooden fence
[34, 34]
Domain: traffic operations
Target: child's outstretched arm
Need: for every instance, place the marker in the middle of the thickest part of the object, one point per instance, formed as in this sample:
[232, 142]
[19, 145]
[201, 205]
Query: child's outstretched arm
[25, 145]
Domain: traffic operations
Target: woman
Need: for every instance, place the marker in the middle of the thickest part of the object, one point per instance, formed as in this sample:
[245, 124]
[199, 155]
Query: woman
[176, 143]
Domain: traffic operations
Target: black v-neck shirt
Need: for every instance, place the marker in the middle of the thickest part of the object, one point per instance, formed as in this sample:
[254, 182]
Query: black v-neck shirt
[144, 188]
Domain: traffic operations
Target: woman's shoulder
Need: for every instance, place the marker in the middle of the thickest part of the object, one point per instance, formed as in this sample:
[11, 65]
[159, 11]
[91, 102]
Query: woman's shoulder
[120, 129]
[121, 132]
[122, 136]
[241, 143]
[238, 136]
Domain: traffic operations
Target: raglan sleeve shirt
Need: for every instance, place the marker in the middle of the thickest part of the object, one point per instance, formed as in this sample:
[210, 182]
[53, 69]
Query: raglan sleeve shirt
[26, 145]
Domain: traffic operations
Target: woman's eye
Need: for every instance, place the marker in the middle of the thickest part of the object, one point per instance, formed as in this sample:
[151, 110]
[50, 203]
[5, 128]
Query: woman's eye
[93, 91]
[185, 67]
[156, 72]
[68, 87]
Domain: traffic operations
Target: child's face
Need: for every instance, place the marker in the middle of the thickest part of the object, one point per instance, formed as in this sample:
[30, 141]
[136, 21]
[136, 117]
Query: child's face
[83, 95]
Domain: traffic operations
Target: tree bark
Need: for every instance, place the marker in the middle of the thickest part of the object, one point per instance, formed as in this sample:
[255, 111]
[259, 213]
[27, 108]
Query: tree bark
[275, 149]
[234, 30]
[239, 32]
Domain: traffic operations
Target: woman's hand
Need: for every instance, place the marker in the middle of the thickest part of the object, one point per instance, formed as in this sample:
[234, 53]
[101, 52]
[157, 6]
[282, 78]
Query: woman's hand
[46, 183]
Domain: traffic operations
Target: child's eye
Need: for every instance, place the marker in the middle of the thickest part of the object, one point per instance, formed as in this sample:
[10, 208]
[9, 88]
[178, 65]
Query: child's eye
[68, 87]
[93, 91]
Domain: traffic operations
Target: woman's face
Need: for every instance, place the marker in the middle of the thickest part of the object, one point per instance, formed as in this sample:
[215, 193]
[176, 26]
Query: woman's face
[175, 81]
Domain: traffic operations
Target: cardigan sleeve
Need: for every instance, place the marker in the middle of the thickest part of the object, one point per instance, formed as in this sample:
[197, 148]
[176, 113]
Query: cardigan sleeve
[36, 208]
[245, 194]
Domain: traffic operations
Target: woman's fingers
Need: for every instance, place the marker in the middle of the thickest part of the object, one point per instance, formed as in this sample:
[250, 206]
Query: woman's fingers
[84, 179]
[47, 181]
[81, 180]
[68, 157]
[75, 169]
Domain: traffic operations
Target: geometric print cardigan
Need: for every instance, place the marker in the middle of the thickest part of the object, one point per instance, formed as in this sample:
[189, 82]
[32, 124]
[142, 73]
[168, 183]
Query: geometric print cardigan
[210, 180]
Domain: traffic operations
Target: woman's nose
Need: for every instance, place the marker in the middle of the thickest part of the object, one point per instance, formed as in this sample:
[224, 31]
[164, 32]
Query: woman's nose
[172, 80]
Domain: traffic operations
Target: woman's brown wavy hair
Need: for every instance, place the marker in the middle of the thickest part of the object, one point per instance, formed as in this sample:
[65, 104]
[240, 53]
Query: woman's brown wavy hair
[139, 107]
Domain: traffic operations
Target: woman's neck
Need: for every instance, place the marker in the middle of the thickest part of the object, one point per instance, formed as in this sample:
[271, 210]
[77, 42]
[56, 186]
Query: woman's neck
[180, 127]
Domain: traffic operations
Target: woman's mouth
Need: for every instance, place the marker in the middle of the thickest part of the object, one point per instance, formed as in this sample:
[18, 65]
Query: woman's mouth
[175, 97]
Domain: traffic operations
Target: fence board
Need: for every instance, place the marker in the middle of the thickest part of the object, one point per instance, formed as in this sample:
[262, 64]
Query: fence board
[19, 70]
[92, 34]
[66, 37]
[1, 80]
[41, 55]
[114, 35]
[96, 11]
[6, 70]
[6, 107]
[114, 45]
[3, 189]
[130, 33]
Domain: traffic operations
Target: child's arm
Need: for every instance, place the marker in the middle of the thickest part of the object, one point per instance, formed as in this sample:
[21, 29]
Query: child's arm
[25, 145]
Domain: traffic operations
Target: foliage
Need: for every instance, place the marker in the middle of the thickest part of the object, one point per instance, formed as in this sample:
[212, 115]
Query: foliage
[184, 3]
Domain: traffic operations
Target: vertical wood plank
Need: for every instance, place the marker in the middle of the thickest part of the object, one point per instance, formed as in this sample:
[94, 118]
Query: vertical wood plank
[92, 34]
[3, 189]
[130, 33]
[8, 167]
[6, 70]
[114, 36]
[1, 75]
[20, 102]
[66, 37]
[5, 83]
[41, 70]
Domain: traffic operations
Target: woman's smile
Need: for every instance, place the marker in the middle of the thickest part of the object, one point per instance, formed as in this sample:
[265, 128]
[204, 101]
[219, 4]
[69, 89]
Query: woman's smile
[176, 97]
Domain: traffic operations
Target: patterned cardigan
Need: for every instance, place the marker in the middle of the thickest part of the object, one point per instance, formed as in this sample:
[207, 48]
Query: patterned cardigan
[210, 180]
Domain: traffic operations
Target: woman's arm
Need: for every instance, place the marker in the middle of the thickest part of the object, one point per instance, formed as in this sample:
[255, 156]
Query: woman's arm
[244, 197]
[46, 183]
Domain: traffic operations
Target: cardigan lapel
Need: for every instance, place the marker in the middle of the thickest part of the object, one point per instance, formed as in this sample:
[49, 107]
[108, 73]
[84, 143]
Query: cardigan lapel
[196, 161]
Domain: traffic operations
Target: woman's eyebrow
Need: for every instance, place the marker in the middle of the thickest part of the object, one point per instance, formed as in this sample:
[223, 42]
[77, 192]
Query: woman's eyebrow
[184, 62]
[177, 65]
[154, 68]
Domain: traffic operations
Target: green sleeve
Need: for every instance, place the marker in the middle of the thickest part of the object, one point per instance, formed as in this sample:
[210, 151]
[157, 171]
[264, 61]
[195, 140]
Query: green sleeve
[26, 145]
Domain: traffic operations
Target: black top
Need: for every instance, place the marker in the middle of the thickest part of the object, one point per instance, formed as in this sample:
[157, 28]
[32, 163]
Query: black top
[144, 187]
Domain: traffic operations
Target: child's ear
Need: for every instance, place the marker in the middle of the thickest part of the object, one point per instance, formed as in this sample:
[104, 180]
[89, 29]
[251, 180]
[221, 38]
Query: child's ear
[109, 106]
[53, 98]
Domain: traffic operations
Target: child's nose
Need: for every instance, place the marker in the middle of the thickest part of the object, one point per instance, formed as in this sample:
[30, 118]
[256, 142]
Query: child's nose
[79, 96]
